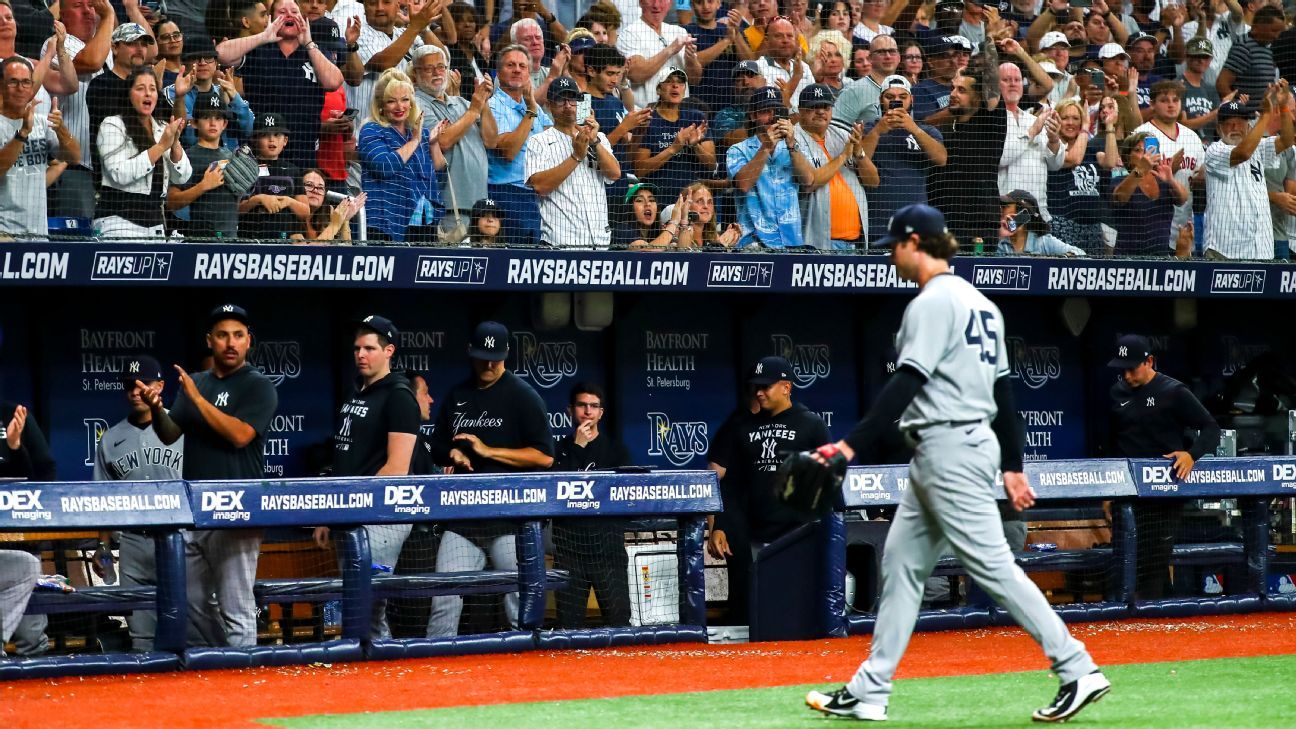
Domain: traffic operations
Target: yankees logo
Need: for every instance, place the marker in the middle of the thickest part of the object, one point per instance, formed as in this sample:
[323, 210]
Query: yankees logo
[134, 367]
[490, 342]
[1123, 352]
[1151, 402]
[767, 449]
[222, 400]
[345, 430]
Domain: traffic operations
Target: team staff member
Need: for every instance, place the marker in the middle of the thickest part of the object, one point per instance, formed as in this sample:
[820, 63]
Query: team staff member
[758, 446]
[377, 429]
[592, 550]
[493, 422]
[1149, 416]
[223, 414]
[953, 397]
[421, 463]
[132, 451]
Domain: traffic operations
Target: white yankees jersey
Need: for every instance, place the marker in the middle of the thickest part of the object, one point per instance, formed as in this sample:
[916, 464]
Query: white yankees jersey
[574, 215]
[343, 10]
[954, 336]
[1194, 156]
[1238, 223]
[130, 453]
[372, 42]
[22, 189]
[76, 115]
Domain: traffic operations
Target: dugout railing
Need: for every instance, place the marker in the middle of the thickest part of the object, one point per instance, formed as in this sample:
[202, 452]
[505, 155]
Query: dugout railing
[1253, 482]
[680, 499]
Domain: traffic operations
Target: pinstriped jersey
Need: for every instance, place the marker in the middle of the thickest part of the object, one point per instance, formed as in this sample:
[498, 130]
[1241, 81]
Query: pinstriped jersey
[127, 452]
[954, 336]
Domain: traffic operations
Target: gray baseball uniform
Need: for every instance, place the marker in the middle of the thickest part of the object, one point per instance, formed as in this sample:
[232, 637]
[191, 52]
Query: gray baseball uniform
[128, 452]
[954, 336]
[18, 573]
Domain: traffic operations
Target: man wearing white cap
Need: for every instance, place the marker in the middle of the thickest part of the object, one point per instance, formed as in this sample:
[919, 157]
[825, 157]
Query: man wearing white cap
[1056, 48]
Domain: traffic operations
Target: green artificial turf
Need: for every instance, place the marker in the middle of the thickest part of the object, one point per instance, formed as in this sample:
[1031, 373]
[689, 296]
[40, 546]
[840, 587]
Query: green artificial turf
[1233, 693]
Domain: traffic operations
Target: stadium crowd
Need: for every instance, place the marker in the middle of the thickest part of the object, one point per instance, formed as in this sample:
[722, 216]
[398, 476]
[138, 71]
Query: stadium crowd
[1039, 126]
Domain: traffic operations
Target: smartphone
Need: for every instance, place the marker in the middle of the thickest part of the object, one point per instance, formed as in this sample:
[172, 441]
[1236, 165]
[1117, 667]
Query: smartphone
[350, 114]
[1097, 78]
[583, 108]
[895, 104]
[1152, 145]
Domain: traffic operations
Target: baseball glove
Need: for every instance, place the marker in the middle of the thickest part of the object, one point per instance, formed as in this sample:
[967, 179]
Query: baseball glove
[241, 172]
[808, 486]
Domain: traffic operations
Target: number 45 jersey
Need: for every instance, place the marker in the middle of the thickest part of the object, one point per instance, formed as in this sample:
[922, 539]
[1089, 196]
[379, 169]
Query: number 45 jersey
[954, 336]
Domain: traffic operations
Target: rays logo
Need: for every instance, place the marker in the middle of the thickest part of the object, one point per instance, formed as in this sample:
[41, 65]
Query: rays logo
[95, 428]
[679, 443]
[1034, 366]
[544, 363]
[1238, 353]
[809, 361]
[277, 360]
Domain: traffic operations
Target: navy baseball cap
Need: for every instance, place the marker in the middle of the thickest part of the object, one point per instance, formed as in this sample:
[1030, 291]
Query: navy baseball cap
[228, 311]
[816, 96]
[484, 207]
[380, 324]
[581, 44]
[910, 219]
[564, 87]
[1131, 350]
[769, 370]
[1143, 37]
[272, 123]
[1234, 110]
[766, 97]
[936, 45]
[143, 368]
[750, 67]
[489, 342]
[210, 103]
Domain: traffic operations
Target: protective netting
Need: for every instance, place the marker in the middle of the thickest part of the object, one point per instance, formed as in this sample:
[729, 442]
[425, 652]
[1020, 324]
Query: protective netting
[1039, 128]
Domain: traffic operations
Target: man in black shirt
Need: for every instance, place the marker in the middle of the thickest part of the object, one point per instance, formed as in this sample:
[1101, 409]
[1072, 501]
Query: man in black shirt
[422, 463]
[491, 423]
[223, 414]
[592, 550]
[108, 95]
[1149, 418]
[967, 187]
[377, 429]
[757, 446]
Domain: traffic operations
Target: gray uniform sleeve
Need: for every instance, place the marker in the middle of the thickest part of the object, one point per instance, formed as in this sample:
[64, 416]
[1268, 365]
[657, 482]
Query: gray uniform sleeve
[935, 315]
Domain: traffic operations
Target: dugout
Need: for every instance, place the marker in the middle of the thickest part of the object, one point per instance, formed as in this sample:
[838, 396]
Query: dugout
[679, 331]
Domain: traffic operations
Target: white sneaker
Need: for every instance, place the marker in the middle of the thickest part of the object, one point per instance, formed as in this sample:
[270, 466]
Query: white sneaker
[1073, 697]
[842, 703]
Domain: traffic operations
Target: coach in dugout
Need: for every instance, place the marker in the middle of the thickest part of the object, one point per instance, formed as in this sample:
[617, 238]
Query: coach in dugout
[592, 550]
[757, 446]
[1150, 416]
[223, 414]
[493, 422]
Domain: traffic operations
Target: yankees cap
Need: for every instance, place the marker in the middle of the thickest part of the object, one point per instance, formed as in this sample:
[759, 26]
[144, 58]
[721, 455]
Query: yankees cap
[747, 67]
[564, 87]
[1233, 110]
[816, 96]
[228, 311]
[141, 367]
[489, 342]
[210, 104]
[1131, 350]
[769, 370]
[766, 97]
[270, 123]
[380, 324]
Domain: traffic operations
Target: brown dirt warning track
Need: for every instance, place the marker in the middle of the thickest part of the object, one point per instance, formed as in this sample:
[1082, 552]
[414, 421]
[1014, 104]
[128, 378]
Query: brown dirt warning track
[234, 698]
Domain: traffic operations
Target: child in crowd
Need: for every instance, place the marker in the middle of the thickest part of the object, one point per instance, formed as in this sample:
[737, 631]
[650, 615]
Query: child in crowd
[272, 211]
[207, 204]
[485, 224]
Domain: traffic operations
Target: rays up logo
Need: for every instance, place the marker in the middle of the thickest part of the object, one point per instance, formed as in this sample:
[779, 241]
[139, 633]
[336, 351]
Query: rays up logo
[544, 363]
[679, 443]
[1034, 366]
[277, 360]
[809, 361]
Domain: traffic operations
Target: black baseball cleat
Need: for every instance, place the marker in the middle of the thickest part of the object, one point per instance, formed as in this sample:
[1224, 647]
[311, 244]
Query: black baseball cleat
[842, 703]
[1073, 697]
